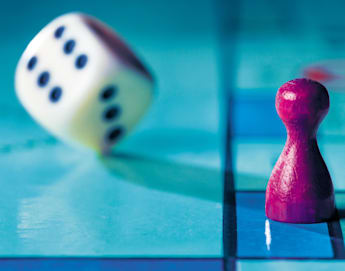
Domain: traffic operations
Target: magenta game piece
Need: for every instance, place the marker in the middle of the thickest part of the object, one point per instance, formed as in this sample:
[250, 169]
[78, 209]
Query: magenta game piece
[300, 189]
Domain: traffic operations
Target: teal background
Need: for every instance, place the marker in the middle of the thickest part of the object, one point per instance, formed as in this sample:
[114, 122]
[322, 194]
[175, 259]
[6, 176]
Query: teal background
[160, 193]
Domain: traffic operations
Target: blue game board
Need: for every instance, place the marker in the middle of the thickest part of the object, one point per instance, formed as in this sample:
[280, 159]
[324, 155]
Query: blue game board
[186, 190]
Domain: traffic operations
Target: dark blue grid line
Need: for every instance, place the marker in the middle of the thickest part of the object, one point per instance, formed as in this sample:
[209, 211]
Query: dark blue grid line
[105, 264]
[336, 237]
[227, 13]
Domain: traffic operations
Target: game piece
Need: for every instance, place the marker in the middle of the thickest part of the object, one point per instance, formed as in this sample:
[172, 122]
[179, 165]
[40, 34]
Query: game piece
[300, 189]
[82, 83]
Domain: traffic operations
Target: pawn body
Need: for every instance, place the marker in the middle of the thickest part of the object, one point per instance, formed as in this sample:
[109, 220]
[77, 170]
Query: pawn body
[300, 189]
[80, 81]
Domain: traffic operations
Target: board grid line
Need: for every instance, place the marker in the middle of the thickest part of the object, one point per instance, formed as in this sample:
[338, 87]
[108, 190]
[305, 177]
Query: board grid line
[228, 12]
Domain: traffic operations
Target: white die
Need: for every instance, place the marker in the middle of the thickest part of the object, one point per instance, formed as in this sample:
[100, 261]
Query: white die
[81, 82]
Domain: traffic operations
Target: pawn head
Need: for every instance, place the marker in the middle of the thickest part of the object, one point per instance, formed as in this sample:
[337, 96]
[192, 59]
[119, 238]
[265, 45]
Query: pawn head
[302, 101]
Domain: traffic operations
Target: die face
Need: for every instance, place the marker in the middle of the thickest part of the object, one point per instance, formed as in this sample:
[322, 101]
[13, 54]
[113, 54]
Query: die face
[58, 69]
[117, 103]
[63, 76]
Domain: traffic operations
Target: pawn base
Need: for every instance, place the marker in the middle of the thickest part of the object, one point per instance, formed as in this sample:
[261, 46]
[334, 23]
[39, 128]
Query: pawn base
[305, 212]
